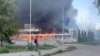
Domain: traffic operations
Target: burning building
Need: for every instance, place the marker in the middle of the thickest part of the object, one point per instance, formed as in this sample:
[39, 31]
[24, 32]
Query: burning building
[50, 16]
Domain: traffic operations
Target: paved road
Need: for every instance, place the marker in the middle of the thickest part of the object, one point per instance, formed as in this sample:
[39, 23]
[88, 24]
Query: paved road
[83, 50]
[20, 42]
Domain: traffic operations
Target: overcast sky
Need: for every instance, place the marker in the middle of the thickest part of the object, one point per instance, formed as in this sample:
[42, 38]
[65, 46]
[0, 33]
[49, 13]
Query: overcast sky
[87, 14]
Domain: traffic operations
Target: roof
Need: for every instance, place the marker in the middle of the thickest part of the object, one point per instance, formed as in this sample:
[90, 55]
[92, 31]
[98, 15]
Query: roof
[28, 30]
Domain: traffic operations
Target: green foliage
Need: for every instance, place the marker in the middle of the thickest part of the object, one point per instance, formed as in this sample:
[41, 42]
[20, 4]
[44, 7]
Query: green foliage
[46, 47]
[90, 36]
[15, 48]
[82, 36]
[4, 50]
[12, 48]
[97, 4]
[70, 48]
[85, 36]
[79, 36]
[8, 25]
[7, 8]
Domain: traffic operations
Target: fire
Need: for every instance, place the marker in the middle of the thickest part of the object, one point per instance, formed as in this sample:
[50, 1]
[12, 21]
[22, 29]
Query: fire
[40, 36]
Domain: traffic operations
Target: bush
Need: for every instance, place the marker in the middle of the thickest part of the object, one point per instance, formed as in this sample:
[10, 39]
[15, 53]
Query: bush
[47, 55]
[4, 50]
[46, 47]
[70, 48]
[59, 51]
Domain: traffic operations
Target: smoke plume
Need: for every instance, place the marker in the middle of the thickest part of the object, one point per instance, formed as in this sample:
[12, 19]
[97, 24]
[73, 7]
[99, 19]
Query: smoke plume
[47, 14]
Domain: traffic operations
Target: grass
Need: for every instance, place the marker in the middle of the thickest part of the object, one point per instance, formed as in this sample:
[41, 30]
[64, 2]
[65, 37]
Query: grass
[4, 50]
[46, 47]
[17, 48]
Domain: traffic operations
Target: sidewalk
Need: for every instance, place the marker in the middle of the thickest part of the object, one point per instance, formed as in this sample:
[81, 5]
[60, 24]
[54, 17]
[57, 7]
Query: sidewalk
[30, 53]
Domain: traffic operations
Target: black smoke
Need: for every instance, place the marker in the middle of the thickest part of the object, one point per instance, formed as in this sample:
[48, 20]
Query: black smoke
[46, 14]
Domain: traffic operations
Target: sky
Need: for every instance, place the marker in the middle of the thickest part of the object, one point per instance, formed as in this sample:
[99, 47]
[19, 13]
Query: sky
[87, 17]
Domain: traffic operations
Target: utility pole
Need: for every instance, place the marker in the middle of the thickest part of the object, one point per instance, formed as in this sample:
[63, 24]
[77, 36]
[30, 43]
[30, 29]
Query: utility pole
[63, 16]
[30, 46]
[30, 20]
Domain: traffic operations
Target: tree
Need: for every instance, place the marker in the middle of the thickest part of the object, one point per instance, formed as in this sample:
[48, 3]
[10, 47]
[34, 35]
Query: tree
[85, 36]
[79, 36]
[92, 33]
[97, 4]
[8, 25]
[82, 36]
[84, 39]
[90, 36]
[7, 8]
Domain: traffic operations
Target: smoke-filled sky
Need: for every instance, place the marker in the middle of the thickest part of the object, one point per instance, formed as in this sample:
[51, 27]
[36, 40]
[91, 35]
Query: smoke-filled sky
[87, 17]
[47, 14]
